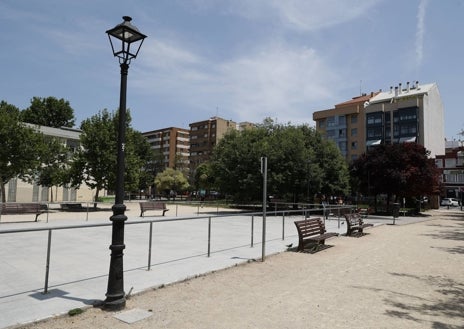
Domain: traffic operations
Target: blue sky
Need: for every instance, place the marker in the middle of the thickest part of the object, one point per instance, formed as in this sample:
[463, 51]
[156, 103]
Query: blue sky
[243, 60]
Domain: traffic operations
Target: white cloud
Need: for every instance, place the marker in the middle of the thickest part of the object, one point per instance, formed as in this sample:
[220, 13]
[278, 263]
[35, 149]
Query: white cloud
[275, 81]
[420, 32]
[303, 15]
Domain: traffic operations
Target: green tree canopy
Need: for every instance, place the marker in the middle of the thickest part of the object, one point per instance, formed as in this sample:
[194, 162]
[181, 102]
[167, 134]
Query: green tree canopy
[171, 179]
[299, 161]
[50, 112]
[95, 163]
[52, 170]
[20, 146]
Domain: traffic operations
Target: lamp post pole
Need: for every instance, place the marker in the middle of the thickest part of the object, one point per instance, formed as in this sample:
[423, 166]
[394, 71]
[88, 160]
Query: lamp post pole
[115, 295]
[127, 34]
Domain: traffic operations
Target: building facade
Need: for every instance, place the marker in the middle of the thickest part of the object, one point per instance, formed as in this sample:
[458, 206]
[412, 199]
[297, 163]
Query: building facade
[204, 135]
[344, 125]
[411, 114]
[19, 191]
[173, 145]
[452, 166]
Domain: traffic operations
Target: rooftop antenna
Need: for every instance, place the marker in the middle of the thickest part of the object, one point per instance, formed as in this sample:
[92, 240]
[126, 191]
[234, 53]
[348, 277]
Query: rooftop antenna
[360, 87]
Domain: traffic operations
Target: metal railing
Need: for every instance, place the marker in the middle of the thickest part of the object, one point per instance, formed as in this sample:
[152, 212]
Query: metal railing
[306, 212]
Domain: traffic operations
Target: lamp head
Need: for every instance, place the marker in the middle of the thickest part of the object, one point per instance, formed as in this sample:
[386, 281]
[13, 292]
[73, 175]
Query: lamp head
[128, 35]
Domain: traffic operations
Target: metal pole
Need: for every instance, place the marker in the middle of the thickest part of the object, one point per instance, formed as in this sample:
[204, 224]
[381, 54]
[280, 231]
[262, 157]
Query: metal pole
[264, 172]
[209, 236]
[115, 296]
[283, 227]
[47, 265]
[87, 212]
[252, 229]
[150, 239]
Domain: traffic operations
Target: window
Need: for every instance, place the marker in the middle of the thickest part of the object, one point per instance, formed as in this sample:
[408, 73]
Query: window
[342, 146]
[330, 134]
[354, 145]
[330, 122]
[321, 123]
[374, 118]
[354, 132]
[354, 118]
[341, 120]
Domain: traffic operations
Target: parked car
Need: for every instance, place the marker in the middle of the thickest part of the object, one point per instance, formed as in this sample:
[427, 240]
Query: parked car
[450, 202]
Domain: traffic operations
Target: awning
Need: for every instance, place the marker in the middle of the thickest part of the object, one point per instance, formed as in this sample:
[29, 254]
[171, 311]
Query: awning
[374, 142]
[407, 139]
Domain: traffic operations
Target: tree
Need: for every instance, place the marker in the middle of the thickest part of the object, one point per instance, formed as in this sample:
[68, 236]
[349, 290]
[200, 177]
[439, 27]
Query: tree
[95, 163]
[50, 112]
[399, 170]
[20, 146]
[298, 161]
[204, 177]
[53, 165]
[171, 180]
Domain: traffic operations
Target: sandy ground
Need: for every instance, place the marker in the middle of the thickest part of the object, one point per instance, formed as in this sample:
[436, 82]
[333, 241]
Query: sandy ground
[408, 276]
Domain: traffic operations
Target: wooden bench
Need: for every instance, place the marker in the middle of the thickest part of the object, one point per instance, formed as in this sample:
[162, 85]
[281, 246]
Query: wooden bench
[312, 230]
[12, 208]
[355, 223]
[365, 212]
[71, 206]
[149, 205]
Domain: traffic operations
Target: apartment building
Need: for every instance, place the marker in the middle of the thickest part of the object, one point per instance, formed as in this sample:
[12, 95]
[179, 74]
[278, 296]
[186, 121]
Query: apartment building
[19, 191]
[452, 166]
[413, 113]
[204, 135]
[173, 144]
[344, 124]
[410, 113]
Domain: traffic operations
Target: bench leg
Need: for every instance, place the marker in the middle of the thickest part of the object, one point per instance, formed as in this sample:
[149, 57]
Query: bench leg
[141, 213]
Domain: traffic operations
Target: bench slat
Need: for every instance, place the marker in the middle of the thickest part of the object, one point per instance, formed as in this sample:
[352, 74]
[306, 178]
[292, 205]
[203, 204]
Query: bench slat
[148, 205]
[24, 208]
[312, 229]
[354, 222]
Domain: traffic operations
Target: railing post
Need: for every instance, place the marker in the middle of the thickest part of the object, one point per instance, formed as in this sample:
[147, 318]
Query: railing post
[209, 236]
[252, 229]
[47, 265]
[150, 239]
[283, 227]
[87, 215]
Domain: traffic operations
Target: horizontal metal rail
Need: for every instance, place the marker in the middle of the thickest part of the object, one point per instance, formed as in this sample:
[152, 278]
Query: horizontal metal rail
[146, 221]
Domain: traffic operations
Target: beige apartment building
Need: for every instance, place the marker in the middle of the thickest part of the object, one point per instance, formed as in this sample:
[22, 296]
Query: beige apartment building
[173, 144]
[204, 135]
[345, 125]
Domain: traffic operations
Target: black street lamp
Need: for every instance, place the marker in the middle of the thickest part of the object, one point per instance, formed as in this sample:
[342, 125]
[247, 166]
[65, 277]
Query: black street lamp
[127, 35]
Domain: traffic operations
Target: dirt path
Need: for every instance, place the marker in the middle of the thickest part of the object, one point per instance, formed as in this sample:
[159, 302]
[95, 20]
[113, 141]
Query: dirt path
[408, 276]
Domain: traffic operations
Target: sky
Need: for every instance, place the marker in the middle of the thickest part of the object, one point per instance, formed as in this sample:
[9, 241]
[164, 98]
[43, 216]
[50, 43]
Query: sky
[243, 60]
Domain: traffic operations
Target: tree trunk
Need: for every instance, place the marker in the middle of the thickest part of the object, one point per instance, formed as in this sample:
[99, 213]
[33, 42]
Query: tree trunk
[2, 190]
[97, 192]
